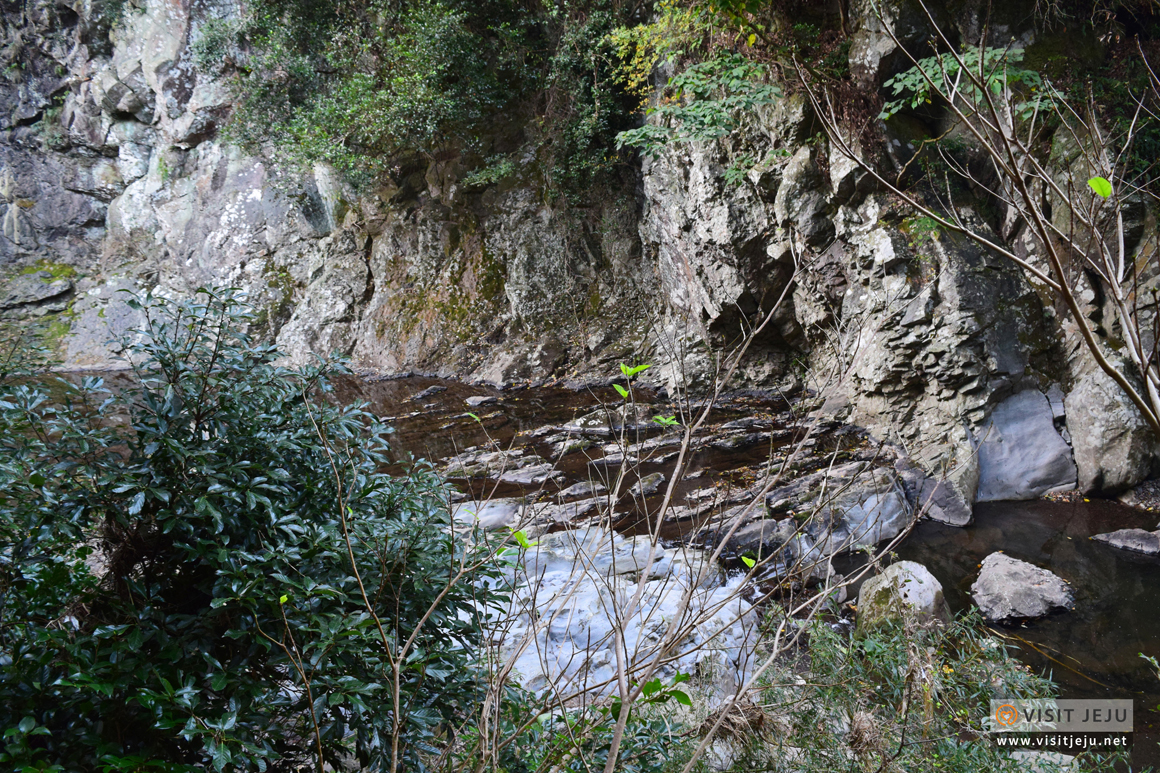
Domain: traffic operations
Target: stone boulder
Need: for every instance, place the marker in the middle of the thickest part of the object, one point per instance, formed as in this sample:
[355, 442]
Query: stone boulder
[905, 590]
[36, 290]
[933, 498]
[1114, 448]
[490, 515]
[1009, 589]
[1136, 540]
[1021, 455]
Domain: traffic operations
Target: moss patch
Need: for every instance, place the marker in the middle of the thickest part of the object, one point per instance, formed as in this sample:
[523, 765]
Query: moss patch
[54, 270]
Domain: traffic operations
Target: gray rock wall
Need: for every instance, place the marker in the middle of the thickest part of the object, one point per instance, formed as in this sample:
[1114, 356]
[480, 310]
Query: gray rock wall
[112, 171]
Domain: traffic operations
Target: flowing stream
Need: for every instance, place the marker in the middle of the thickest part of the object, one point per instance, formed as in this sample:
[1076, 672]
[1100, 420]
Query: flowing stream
[1091, 651]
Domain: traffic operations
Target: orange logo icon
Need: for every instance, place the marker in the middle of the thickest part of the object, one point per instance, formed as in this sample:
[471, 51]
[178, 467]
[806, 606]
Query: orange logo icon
[1006, 715]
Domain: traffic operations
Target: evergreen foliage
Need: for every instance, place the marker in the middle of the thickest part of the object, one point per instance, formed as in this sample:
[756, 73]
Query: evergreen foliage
[369, 85]
[194, 570]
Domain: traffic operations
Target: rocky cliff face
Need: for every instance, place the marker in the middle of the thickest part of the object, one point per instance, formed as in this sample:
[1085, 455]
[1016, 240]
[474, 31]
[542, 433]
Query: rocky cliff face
[113, 176]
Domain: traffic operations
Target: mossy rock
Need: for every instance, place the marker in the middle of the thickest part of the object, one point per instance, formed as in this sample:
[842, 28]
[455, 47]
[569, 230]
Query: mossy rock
[905, 591]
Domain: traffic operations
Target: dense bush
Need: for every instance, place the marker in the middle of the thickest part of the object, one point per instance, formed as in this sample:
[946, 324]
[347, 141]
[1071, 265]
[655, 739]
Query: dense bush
[206, 569]
[900, 697]
[369, 85]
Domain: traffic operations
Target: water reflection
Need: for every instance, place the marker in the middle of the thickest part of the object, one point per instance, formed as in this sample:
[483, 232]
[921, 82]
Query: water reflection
[1093, 650]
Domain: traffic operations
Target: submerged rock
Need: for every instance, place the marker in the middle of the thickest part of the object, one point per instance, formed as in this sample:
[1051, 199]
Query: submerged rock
[1008, 588]
[1136, 540]
[905, 589]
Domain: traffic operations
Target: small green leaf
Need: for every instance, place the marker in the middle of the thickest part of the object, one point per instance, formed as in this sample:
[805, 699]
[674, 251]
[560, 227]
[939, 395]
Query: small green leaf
[522, 539]
[749, 561]
[649, 688]
[621, 391]
[36, 479]
[1101, 186]
[666, 421]
[682, 697]
[751, 39]
[472, 415]
[27, 724]
[284, 599]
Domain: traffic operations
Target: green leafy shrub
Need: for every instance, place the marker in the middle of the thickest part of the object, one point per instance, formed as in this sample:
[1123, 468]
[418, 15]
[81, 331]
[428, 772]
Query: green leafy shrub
[675, 31]
[206, 569]
[705, 103]
[585, 106]
[997, 66]
[358, 85]
[373, 86]
[902, 697]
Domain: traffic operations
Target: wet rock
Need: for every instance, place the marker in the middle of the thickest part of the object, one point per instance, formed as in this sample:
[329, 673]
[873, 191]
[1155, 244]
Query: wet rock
[33, 289]
[836, 510]
[749, 422]
[784, 539]
[531, 475]
[605, 421]
[477, 400]
[579, 580]
[1021, 455]
[905, 589]
[739, 442]
[935, 499]
[489, 515]
[1008, 589]
[1136, 540]
[430, 391]
[582, 489]
[569, 513]
[570, 446]
[480, 463]
[848, 506]
[648, 485]
[608, 461]
[1114, 447]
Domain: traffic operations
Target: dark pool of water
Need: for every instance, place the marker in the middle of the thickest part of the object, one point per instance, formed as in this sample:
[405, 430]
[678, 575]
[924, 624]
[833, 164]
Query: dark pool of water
[442, 425]
[1093, 650]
